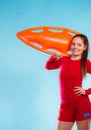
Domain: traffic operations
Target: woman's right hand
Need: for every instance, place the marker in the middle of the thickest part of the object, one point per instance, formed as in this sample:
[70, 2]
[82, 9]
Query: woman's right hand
[58, 54]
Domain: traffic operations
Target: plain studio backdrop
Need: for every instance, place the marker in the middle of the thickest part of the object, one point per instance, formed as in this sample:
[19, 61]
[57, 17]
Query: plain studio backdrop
[29, 94]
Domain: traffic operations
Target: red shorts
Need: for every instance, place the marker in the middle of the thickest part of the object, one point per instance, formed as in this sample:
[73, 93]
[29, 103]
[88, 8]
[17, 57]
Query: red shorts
[76, 111]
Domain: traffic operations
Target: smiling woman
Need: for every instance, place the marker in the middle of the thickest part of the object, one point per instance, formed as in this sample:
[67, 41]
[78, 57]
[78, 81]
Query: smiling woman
[28, 101]
[73, 96]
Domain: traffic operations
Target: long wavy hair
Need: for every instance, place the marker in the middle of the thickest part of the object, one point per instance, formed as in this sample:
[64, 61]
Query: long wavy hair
[84, 54]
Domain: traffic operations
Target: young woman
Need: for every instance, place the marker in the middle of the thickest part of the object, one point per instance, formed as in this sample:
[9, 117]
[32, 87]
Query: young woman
[75, 103]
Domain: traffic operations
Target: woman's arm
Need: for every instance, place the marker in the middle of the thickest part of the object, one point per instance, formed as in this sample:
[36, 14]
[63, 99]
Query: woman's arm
[80, 91]
[88, 66]
[88, 91]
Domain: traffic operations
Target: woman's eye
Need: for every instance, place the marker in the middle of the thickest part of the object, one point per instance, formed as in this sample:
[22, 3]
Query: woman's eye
[73, 44]
[79, 44]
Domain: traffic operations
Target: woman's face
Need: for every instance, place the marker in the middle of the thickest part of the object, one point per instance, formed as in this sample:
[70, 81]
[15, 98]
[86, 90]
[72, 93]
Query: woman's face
[77, 46]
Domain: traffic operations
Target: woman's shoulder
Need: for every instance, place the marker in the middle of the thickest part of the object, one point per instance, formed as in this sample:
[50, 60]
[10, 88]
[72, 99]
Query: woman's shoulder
[66, 57]
[88, 61]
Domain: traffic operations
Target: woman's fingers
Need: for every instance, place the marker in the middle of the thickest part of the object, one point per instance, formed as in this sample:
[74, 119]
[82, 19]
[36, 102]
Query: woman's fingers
[79, 91]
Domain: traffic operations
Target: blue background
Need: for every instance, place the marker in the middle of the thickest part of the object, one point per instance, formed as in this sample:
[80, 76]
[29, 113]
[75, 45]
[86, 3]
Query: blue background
[29, 94]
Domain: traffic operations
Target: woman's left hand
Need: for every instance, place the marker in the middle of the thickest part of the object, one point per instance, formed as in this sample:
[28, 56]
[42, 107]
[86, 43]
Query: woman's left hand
[79, 91]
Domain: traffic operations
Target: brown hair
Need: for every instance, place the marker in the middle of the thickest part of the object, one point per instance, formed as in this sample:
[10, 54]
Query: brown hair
[84, 54]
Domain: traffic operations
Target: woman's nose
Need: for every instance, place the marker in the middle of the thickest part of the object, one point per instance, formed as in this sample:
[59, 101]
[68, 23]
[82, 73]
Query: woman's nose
[75, 46]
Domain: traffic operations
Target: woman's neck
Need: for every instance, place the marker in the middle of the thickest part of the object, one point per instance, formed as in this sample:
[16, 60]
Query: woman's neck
[75, 57]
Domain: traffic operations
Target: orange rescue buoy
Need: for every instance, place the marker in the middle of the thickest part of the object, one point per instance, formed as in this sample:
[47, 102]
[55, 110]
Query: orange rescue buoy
[48, 39]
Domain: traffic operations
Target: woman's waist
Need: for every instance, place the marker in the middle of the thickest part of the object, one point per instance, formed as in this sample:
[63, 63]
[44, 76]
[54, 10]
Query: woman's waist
[72, 98]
